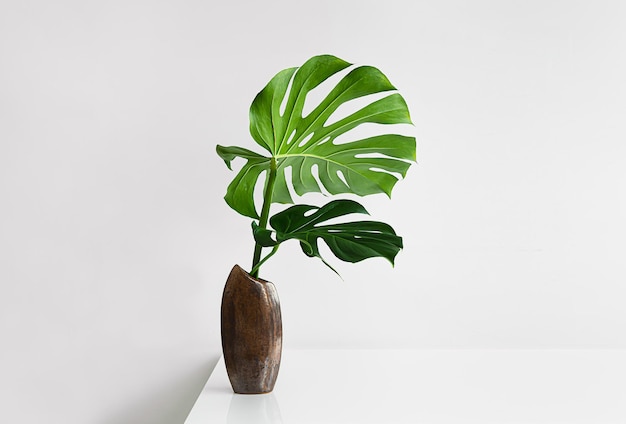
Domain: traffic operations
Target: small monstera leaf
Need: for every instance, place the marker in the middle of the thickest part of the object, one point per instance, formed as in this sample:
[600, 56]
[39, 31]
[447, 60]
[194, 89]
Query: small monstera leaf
[366, 166]
[350, 242]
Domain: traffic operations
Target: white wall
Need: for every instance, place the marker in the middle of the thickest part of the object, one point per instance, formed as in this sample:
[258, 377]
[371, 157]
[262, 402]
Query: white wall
[115, 242]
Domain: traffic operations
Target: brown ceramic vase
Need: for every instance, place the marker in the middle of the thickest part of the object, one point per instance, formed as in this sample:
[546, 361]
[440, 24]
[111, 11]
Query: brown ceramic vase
[251, 332]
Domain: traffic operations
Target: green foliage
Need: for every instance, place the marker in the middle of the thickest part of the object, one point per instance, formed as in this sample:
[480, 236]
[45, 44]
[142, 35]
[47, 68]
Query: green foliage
[312, 141]
[350, 242]
[362, 167]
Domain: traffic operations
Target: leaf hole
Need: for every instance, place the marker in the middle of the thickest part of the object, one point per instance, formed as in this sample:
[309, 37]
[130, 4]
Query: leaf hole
[290, 139]
[319, 93]
[324, 140]
[351, 106]
[342, 177]
[316, 176]
[257, 193]
[374, 155]
[283, 104]
[370, 129]
[309, 212]
[396, 175]
[305, 140]
[289, 181]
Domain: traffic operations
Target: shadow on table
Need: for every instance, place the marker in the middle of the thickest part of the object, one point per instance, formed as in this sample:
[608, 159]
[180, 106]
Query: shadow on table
[168, 404]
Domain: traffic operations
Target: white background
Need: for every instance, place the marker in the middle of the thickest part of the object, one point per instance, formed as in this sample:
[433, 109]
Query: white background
[115, 241]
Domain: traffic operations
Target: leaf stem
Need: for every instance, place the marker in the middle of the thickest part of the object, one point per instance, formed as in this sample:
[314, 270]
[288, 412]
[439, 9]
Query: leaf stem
[255, 270]
[265, 212]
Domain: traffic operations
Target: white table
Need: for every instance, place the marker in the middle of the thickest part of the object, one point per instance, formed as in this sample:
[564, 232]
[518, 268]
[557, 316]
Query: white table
[428, 386]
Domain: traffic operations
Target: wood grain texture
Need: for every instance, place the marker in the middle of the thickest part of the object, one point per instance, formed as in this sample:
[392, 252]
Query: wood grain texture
[251, 332]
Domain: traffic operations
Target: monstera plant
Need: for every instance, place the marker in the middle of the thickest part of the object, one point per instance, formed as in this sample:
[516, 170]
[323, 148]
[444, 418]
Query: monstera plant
[291, 140]
[302, 142]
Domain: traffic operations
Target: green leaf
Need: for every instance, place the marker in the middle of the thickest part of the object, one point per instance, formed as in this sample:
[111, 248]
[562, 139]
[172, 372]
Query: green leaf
[350, 242]
[365, 166]
[230, 153]
[263, 236]
[240, 192]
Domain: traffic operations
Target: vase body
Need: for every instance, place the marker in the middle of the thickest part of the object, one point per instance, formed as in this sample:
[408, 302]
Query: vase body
[251, 332]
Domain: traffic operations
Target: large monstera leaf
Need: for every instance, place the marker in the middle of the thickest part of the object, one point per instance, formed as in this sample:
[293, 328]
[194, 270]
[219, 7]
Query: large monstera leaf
[350, 241]
[365, 166]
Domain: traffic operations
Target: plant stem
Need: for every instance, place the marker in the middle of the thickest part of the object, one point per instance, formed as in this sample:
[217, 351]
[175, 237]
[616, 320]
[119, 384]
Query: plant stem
[255, 270]
[265, 213]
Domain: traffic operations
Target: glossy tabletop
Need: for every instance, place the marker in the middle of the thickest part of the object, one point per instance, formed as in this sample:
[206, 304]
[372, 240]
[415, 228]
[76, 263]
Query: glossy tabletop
[428, 386]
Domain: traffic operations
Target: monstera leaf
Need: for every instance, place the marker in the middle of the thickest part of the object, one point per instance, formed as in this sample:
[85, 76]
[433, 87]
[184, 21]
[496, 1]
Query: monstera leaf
[350, 242]
[365, 166]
